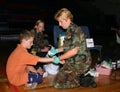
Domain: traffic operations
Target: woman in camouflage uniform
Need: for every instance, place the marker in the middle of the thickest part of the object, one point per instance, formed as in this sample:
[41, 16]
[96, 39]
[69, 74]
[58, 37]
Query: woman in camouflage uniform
[77, 57]
[41, 44]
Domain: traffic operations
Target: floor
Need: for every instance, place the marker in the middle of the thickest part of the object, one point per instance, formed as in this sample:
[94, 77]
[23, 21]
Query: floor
[104, 83]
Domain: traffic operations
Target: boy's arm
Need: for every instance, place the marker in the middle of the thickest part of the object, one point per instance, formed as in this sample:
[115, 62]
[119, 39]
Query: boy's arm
[54, 60]
[45, 60]
[31, 68]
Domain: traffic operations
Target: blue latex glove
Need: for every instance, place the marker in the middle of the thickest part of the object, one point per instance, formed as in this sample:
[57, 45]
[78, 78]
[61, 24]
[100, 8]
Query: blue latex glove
[56, 60]
[52, 52]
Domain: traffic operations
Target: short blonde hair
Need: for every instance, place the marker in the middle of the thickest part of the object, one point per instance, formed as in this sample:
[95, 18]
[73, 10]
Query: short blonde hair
[63, 14]
[39, 21]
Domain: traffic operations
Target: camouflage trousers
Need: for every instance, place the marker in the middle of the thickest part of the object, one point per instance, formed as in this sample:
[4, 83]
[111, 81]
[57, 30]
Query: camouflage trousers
[67, 77]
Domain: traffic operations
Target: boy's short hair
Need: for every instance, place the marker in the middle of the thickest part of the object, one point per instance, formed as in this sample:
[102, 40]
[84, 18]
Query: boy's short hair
[26, 34]
[63, 14]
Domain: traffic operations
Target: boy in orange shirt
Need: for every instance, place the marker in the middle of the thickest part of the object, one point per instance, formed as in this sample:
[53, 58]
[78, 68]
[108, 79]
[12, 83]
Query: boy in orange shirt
[19, 69]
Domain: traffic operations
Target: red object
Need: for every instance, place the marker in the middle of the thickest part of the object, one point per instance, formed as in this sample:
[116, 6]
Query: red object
[103, 70]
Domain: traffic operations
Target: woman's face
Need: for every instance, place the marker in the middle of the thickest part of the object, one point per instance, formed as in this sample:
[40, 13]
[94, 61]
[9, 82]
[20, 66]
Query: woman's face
[40, 27]
[64, 23]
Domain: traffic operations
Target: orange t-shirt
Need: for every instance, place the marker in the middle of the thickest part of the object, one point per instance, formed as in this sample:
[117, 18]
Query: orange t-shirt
[16, 65]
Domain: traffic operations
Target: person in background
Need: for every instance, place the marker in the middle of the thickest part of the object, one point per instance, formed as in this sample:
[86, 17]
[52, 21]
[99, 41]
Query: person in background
[40, 44]
[75, 53]
[116, 56]
[19, 70]
[116, 46]
[118, 36]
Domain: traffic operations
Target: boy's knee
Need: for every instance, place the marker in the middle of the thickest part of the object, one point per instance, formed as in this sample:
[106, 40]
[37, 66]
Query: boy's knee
[35, 77]
[40, 78]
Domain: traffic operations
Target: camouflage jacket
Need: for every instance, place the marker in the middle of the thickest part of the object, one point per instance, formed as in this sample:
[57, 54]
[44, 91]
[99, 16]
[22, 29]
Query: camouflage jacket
[68, 75]
[39, 41]
[76, 38]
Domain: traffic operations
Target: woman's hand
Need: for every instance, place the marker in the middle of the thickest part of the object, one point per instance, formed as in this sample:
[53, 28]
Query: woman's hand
[62, 62]
[45, 49]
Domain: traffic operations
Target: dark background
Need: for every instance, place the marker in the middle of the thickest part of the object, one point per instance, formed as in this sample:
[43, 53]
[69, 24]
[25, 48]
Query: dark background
[22, 14]
[98, 15]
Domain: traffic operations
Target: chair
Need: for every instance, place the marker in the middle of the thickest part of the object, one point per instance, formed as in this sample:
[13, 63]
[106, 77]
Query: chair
[58, 30]
[96, 47]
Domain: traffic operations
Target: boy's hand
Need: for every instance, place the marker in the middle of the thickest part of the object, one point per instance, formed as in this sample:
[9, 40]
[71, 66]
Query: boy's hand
[56, 60]
[52, 52]
[40, 71]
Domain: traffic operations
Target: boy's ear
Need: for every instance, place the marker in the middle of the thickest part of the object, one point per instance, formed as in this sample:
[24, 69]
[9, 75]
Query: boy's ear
[24, 40]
